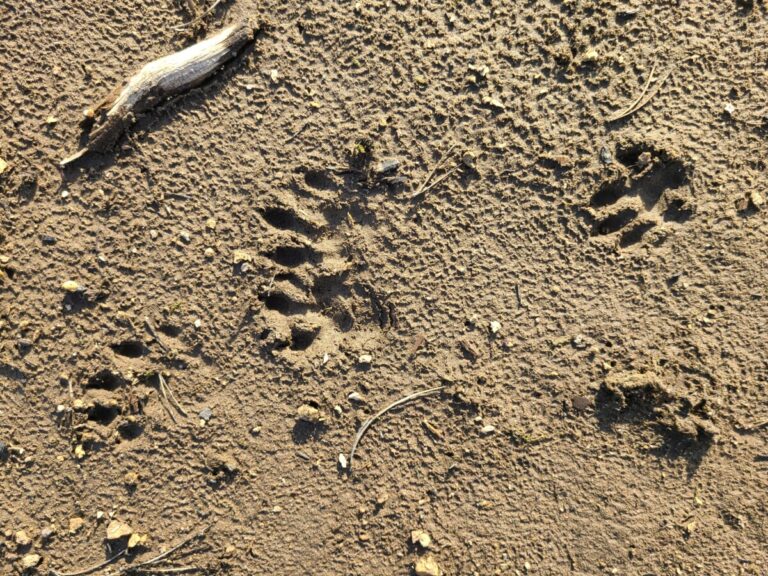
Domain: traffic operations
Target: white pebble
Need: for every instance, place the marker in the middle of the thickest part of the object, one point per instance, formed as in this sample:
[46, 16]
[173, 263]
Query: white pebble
[495, 327]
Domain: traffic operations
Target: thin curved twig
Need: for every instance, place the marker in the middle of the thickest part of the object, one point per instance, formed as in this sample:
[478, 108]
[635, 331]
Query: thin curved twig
[178, 570]
[646, 96]
[199, 19]
[164, 555]
[95, 568]
[367, 424]
[172, 396]
[633, 106]
[422, 189]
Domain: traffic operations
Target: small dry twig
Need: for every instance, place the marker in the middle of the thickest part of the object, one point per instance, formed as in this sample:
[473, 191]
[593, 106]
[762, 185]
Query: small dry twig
[166, 554]
[646, 96]
[423, 188]
[141, 565]
[440, 180]
[163, 391]
[630, 109]
[755, 426]
[153, 333]
[92, 569]
[172, 395]
[197, 19]
[367, 424]
[178, 570]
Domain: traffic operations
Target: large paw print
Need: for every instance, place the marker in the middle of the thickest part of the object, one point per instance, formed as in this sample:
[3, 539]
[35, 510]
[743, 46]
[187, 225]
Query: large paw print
[647, 191]
[308, 296]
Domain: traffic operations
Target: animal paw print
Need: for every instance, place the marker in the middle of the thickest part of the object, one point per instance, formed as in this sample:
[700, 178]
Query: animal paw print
[108, 412]
[308, 296]
[647, 192]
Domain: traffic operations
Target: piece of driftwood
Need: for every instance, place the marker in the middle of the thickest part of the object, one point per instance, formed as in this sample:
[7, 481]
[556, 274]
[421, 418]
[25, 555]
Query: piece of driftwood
[159, 80]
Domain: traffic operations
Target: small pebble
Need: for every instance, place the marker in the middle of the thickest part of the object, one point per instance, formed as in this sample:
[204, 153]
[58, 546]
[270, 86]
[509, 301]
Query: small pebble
[421, 538]
[198, 323]
[355, 397]
[581, 403]
[365, 359]
[578, 342]
[241, 256]
[209, 253]
[75, 524]
[47, 240]
[644, 159]
[427, 566]
[590, 55]
[185, 236]
[338, 410]
[70, 286]
[342, 461]
[205, 414]
[21, 538]
[487, 429]
[30, 561]
[153, 234]
[495, 327]
[307, 413]
[386, 165]
[729, 109]
[117, 530]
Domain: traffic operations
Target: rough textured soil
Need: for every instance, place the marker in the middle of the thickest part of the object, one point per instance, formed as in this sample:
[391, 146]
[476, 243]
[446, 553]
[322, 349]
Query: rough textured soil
[241, 248]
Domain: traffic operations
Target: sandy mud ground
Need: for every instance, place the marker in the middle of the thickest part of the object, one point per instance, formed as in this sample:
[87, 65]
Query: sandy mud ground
[553, 210]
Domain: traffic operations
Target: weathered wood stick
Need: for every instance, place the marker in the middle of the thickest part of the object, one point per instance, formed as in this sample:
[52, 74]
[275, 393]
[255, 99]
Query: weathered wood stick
[159, 80]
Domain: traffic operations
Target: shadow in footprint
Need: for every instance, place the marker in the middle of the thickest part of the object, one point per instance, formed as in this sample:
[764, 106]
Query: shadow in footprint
[304, 432]
[671, 418]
